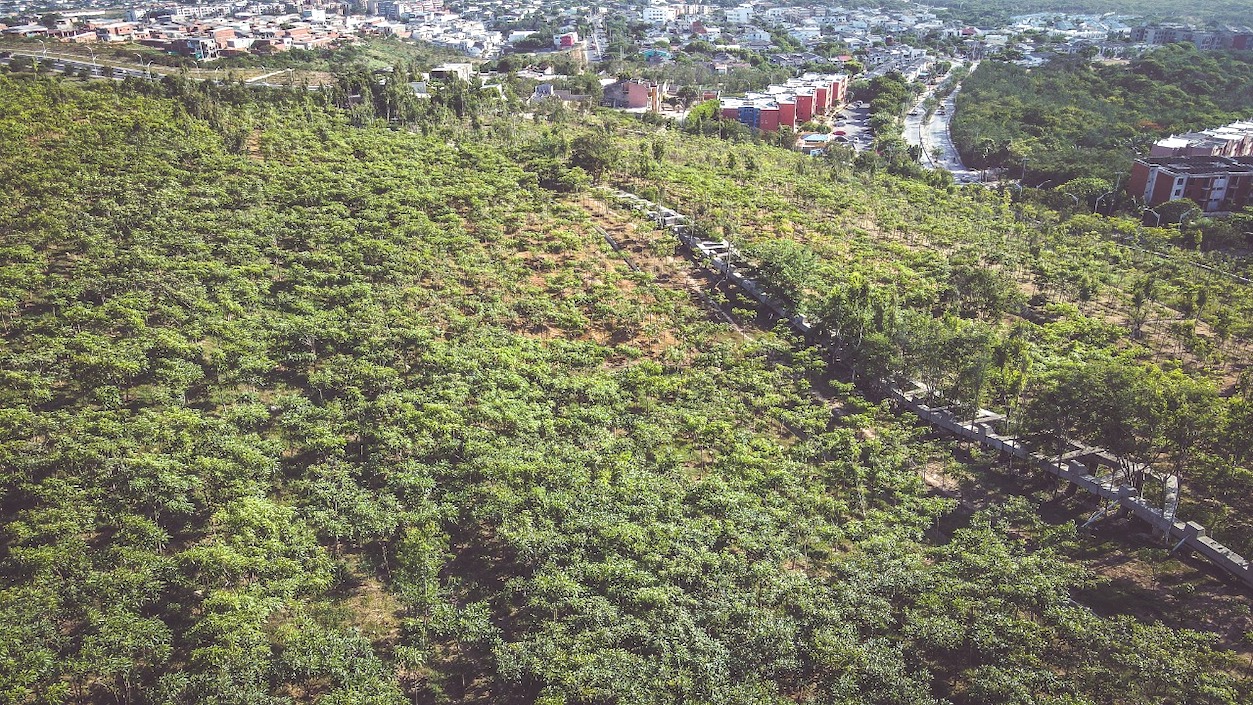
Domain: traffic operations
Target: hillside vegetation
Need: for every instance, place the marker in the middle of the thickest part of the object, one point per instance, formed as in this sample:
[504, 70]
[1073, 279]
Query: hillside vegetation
[1070, 119]
[295, 410]
[1046, 316]
[996, 12]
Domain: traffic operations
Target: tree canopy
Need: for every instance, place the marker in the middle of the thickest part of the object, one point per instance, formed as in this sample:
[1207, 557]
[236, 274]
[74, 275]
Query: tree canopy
[304, 401]
[1070, 119]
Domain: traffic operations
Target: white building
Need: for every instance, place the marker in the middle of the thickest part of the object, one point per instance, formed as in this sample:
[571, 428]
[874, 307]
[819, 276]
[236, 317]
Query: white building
[756, 34]
[806, 32]
[657, 14]
[740, 15]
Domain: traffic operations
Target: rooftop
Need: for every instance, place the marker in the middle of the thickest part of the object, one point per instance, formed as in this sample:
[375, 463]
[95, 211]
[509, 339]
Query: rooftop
[1200, 165]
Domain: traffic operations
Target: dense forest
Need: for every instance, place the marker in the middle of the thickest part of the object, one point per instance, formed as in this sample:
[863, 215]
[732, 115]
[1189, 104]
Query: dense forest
[1070, 119]
[301, 404]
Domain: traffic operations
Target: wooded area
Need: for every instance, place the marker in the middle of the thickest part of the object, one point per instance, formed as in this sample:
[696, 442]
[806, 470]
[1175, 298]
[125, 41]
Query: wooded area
[300, 406]
[1070, 119]
[998, 302]
[993, 12]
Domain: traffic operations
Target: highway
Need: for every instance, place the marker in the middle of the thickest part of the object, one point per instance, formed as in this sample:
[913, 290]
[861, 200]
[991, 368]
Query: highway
[64, 64]
[105, 68]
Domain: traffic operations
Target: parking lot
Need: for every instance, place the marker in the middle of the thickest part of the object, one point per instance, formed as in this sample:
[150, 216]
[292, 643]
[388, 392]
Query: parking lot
[850, 126]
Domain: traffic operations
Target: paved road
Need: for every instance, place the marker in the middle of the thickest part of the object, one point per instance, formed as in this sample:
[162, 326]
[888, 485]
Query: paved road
[63, 64]
[105, 68]
[933, 135]
[599, 42]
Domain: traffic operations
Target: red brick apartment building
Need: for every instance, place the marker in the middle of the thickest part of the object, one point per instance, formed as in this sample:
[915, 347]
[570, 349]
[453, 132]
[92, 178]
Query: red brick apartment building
[1216, 184]
[790, 104]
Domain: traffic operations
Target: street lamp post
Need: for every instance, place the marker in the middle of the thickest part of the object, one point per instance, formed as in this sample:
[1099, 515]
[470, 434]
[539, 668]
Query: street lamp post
[146, 67]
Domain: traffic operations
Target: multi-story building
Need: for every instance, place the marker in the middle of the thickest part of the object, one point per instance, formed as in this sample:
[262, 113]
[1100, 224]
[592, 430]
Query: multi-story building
[657, 14]
[1234, 140]
[634, 94]
[198, 48]
[1158, 34]
[1216, 184]
[398, 10]
[789, 104]
[740, 15]
[182, 13]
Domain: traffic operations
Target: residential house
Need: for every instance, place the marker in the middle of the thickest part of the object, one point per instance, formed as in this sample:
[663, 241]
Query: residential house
[451, 71]
[546, 92]
[634, 94]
